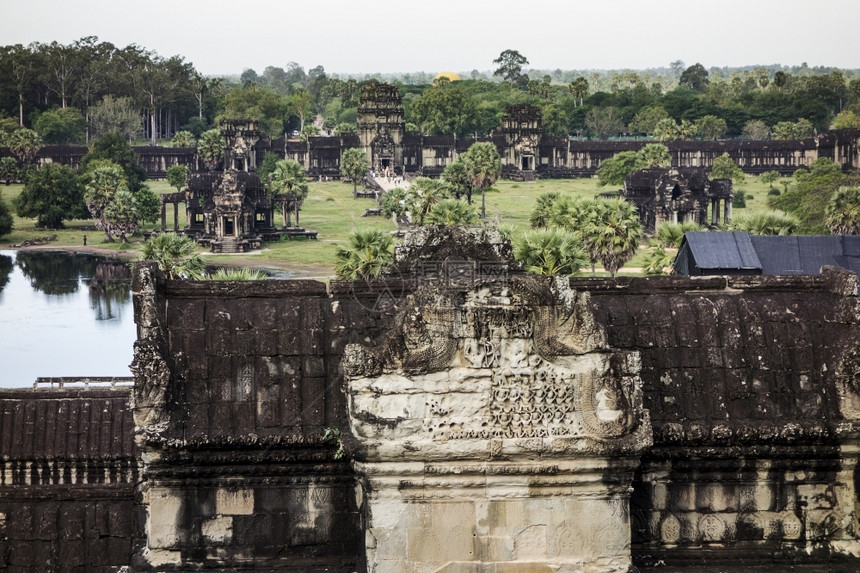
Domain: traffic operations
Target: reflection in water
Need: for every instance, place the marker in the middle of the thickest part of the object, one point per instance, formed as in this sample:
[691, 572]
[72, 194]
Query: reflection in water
[109, 289]
[6, 266]
[60, 273]
[63, 314]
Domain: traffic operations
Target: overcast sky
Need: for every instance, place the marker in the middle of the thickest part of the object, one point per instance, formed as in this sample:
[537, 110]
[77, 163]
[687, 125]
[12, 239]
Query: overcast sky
[370, 36]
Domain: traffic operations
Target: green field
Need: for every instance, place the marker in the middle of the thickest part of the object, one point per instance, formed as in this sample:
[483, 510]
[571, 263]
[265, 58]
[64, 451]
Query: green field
[331, 210]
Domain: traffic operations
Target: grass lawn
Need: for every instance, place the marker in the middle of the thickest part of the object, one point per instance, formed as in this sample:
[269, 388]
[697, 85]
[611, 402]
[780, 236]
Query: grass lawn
[331, 210]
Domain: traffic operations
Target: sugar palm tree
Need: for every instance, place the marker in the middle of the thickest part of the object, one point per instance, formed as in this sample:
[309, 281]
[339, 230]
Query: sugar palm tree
[613, 235]
[289, 177]
[540, 217]
[550, 252]
[426, 193]
[175, 256]
[843, 212]
[366, 254]
[483, 167]
[211, 148]
[354, 164]
[772, 222]
[450, 212]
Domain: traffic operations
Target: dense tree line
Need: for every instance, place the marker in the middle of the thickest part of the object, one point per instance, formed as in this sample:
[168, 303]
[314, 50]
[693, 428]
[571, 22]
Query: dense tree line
[76, 92]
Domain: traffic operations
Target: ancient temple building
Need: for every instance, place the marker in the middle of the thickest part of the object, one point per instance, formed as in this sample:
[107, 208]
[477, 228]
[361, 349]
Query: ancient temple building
[230, 210]
[455, 415]
[380, 126]
[678, 195]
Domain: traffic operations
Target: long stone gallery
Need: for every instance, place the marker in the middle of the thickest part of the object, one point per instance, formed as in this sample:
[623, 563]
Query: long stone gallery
[456, 415]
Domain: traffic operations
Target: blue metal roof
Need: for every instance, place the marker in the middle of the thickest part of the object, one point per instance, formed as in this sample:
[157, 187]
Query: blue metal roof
[729, 251]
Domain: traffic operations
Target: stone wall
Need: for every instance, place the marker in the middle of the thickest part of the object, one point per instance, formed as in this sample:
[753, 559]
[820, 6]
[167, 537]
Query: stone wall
[235, 386]
[488, 420]
[68, 466]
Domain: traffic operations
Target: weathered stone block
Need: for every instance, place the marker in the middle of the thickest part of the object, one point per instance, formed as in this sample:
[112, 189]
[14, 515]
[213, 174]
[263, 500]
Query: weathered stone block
[230, 501]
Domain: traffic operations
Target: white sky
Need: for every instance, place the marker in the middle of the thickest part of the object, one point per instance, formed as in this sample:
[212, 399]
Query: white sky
[370, 36]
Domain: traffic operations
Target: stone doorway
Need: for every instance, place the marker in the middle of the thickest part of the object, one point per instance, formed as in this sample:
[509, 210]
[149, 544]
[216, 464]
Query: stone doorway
[229, 226]
[528, 163]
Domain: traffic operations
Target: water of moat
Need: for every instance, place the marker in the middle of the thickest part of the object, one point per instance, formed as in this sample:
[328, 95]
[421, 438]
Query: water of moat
[63, 314]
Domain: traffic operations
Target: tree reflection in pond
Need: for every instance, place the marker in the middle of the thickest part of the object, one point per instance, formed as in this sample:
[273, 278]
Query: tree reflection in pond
[60, 273]
[109, 285]
[6, 266]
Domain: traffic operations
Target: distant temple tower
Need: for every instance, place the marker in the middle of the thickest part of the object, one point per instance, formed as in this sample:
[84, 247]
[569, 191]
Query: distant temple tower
[521, 126]
[381, 126]
[240, 139]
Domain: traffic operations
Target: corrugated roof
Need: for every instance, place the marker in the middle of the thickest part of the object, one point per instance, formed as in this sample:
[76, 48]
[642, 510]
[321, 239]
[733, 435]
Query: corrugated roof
[731, 250]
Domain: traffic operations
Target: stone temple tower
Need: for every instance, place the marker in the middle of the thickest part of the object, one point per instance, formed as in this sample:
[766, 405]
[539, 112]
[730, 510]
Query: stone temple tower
[381, 126]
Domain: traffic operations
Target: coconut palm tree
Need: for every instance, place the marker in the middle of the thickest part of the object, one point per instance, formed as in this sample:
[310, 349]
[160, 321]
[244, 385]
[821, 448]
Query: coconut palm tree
[550, 252]
[843, 212]
[450, 212]
[175, 256]
[366, 254]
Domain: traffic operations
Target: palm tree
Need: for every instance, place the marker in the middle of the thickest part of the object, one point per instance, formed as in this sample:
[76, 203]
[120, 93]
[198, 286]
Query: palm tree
[289, 177]
[175, 256]
[843, 212]
[671, 234]
[396, 203]
[236, 274]
[450, 212]
[354, 164]
[770, 222]
[211, 148]
[655, 155]
[550, 252]
[613, 235]
[368, 252]
[483, 167]
[426, 193]
[540, 217]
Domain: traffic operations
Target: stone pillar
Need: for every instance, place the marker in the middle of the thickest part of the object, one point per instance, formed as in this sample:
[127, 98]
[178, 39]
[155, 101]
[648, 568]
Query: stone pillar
[502, 436]
[176, 217]
[674, 215]
[728, 210]
[163, 217]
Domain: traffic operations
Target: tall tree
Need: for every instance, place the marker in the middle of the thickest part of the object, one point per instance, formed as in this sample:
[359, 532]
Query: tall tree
[510, 64]
[695, 78]
[113, 147]
[289, 177]
[604, 122]
[483, 167]
[115, 115]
